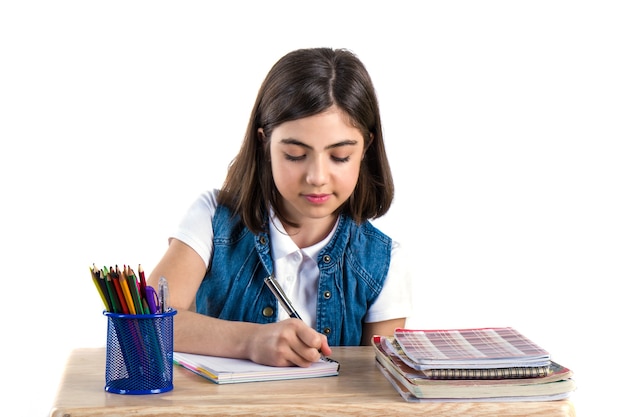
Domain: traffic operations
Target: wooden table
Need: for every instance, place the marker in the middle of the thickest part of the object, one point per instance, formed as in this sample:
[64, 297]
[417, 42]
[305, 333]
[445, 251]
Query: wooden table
[359, 390]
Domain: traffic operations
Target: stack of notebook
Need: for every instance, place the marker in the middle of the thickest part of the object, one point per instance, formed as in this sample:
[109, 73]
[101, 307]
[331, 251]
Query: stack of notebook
[486, 364]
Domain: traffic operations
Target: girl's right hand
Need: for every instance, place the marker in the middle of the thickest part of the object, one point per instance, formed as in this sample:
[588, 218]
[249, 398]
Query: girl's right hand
[287, 343]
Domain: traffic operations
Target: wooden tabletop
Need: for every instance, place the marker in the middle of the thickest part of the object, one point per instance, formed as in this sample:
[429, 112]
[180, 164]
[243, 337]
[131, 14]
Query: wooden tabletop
[359, 390]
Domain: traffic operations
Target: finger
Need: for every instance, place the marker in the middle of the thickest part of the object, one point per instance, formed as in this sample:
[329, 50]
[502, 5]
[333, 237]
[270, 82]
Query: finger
[315, 345]
[305, 358]
[325, 348]
[310, 337]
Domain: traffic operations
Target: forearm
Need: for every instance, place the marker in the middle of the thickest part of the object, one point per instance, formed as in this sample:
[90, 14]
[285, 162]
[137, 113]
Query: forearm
[286, 343]
[197, 333]
[381, 328]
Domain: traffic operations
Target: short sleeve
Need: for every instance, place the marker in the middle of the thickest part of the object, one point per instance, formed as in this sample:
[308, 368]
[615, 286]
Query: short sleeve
[196, 228]
[395, 299]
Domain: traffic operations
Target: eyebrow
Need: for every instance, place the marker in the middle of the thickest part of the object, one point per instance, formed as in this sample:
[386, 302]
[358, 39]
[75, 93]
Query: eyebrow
[346, 142]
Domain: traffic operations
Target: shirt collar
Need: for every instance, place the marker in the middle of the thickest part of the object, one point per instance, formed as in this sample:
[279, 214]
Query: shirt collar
[283, 245]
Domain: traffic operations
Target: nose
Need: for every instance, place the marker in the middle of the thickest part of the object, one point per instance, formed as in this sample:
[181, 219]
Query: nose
[317, 172]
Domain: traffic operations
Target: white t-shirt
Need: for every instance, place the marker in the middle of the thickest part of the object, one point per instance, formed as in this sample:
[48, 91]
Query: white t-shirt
[295, 269]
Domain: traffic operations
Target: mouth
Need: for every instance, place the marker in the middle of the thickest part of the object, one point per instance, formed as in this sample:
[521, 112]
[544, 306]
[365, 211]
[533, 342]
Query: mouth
[317, 198]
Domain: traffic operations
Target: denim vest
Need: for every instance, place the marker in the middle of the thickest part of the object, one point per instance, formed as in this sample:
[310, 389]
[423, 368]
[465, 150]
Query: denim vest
[353, 267]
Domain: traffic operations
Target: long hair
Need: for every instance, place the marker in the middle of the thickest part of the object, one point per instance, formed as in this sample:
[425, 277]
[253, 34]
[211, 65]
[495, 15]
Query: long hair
[303, 83]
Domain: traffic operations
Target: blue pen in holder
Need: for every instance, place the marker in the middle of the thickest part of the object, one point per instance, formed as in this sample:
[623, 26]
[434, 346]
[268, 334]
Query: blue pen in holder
[139, 353]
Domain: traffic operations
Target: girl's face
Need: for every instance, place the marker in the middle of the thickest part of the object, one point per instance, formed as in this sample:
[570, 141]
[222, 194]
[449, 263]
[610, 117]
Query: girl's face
[315, 165]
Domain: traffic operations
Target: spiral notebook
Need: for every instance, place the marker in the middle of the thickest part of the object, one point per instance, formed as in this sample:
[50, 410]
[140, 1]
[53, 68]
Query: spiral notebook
[476, 385]
[229, 370]
[480, 348]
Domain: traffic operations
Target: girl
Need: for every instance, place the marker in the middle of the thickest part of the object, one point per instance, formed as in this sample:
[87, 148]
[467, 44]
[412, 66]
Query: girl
[296, 204]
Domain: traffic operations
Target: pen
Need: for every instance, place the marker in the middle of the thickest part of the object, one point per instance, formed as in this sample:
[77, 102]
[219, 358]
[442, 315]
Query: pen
[282, 297]
[164, 295]
[152, 300]
[278, 292]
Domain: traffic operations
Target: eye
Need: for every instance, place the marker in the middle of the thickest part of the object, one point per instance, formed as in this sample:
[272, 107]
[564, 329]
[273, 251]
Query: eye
[289, 157]
[340, 159]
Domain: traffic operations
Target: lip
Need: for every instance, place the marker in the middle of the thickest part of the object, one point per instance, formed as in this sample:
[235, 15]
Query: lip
[317, 198]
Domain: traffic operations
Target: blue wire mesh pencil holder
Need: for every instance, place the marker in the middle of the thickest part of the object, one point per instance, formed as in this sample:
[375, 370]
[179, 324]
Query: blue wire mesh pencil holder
[139, 353]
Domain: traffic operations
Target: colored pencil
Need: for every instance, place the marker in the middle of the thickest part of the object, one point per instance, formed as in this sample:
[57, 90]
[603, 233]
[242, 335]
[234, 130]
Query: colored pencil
[95, 277]
[118, 289]
[134, 290]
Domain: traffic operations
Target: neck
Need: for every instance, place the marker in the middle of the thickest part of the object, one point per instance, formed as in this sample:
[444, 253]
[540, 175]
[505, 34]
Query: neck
[311, 232]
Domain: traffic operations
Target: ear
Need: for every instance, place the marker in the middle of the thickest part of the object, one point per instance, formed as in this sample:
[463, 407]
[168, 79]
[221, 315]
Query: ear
[263, 144]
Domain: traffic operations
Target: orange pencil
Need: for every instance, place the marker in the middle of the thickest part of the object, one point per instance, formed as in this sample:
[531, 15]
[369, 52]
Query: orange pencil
[134, 290]
[118, 290]
[126, 290]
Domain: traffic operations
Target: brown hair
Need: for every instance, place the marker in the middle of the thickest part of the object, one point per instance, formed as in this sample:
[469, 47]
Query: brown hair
[303, 83]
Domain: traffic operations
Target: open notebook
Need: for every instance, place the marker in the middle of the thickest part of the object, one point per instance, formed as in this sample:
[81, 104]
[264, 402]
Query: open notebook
[229, 371]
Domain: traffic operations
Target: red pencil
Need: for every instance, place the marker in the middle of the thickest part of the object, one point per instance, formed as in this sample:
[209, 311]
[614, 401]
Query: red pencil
[118, 289]
[142, 279]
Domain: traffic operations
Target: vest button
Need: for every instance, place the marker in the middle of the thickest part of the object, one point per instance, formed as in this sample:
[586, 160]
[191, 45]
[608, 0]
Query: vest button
[263, 240]
[327, 330]
[326, 258]
[327, 295]
[268, 312]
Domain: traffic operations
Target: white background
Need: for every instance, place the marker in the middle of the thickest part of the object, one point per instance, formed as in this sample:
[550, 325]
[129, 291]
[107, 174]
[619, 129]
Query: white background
[504, 123]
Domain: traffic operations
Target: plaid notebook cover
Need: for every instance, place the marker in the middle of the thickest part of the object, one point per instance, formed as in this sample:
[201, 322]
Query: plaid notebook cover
[470, 348]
